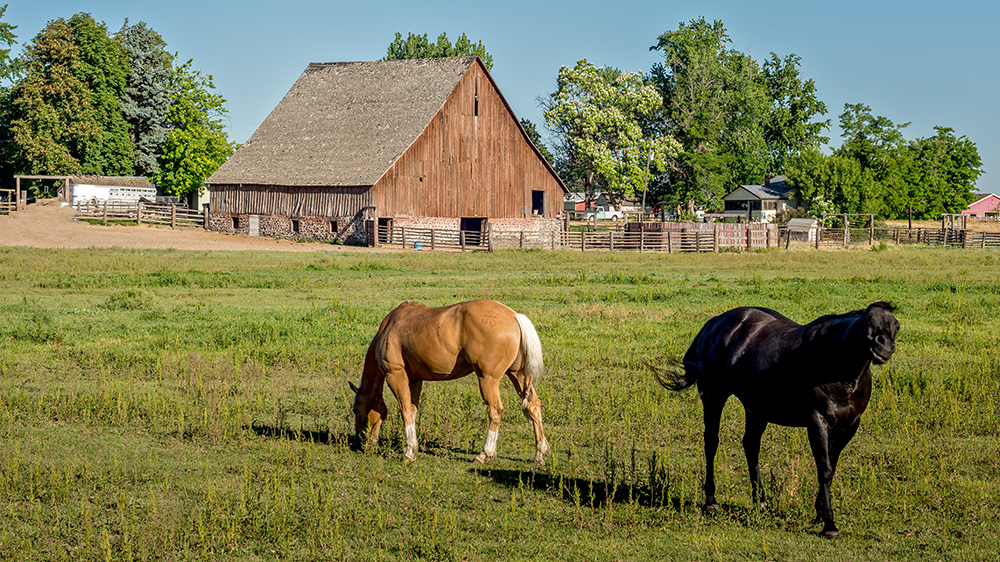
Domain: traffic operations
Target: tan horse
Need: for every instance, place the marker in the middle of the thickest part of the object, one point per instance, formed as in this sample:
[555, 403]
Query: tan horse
[417, 343]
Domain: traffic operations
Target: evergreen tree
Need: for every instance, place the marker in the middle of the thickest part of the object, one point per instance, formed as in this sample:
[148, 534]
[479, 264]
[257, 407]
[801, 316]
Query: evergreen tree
[146, 102]
[418, 47]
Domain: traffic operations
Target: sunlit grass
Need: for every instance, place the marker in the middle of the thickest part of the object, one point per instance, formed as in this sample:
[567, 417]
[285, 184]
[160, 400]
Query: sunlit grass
[167, 405]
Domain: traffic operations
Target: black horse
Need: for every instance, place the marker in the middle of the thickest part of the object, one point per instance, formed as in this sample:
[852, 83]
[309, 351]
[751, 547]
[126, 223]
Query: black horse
[816, 376]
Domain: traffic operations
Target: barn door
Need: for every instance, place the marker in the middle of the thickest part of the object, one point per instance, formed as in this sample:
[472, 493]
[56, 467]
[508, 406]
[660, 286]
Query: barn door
[474, 229]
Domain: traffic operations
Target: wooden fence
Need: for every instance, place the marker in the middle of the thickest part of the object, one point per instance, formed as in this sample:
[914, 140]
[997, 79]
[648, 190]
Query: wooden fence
[140, 212]
[698, 239]
[839, 237]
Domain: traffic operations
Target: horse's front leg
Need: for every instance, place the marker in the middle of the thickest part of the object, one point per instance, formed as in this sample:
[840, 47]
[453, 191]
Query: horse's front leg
[407, 394]
[489, 387]
[819, 441]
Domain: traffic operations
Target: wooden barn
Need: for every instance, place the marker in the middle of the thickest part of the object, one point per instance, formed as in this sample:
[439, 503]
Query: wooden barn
[426, 143]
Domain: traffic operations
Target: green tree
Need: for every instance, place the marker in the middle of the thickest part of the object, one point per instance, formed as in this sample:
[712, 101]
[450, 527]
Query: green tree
[832, 184]
[736, 121]
[8, 73]
[601, 114]
[419, 47]
[65, 112]
[8, 66]
[791, 126]
[942, 172]
[146, 100]
[713, 102]
[878, 145]
[197, 143]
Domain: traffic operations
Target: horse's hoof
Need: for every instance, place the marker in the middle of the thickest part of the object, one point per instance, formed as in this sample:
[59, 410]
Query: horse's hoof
[712, 508]
[480, 459]
[834, 534]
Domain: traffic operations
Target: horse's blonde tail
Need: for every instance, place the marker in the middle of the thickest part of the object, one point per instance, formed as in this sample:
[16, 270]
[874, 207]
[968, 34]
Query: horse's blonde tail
[531, 348]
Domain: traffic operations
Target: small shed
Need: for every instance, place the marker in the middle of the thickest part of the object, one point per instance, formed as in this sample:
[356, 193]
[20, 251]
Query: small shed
[804, 230]
[759, 203]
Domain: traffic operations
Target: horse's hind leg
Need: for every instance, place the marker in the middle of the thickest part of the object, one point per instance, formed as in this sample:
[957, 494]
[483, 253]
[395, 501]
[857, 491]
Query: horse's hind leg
[713, 415]
[755, 427]
[489, 387]
[532, 408]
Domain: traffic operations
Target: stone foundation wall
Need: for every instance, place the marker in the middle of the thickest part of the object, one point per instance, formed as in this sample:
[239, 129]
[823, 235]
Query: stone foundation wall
[526, 225]
[349, 230]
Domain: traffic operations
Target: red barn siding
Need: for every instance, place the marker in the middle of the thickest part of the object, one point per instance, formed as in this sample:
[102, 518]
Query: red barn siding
[469, 165]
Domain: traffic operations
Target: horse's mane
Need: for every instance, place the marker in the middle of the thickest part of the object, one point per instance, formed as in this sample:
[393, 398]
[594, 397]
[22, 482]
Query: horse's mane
[817, 326]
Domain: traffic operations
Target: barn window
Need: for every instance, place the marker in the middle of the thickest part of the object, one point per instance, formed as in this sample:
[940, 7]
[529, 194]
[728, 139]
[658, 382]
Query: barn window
[236, 223]
[295, 225]
[333, 227]
[537, 202]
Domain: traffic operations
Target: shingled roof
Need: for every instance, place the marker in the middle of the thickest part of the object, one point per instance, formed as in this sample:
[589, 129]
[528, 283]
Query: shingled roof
[344, 124]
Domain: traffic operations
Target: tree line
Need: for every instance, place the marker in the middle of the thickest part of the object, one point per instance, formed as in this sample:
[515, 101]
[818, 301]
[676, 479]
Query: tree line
[705, 119]
[79, 100]
[709, 118]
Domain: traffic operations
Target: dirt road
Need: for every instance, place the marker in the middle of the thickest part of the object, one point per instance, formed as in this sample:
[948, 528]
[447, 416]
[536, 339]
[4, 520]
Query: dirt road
[49, 225]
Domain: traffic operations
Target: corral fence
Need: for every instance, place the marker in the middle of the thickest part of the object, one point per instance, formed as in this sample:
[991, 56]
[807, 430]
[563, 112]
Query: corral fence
[636, 237]
[955, 238]
[140, 212]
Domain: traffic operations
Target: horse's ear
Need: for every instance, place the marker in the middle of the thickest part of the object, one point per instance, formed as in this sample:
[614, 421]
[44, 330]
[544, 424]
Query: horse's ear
[882, 304]
[354, 388]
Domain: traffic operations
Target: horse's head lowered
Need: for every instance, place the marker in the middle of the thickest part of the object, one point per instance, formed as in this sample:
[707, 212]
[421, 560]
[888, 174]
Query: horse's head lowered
[879, 331]
[369, 411]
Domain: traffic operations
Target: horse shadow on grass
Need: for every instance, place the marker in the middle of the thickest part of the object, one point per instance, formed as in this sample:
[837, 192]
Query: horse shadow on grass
[323, 436]
[587, 492]
[596, 494]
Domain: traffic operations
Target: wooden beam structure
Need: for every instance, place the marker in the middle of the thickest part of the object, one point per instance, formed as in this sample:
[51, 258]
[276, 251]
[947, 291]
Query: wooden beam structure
[64, 195]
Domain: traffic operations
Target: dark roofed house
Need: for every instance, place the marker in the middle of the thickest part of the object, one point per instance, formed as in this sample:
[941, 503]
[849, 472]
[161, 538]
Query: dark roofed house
[760, 203]
[427, 143]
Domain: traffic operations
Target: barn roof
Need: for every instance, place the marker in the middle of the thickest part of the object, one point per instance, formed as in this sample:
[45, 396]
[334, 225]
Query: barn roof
[344, 124]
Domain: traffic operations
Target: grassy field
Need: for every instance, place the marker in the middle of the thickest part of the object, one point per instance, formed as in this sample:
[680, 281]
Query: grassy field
[168, 405]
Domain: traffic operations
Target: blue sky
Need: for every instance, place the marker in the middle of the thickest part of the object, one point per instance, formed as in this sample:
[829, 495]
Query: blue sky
[927, 62]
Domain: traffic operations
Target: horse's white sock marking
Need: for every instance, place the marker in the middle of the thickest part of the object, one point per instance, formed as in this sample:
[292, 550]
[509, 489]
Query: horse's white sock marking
[411, 435]
[490, 448]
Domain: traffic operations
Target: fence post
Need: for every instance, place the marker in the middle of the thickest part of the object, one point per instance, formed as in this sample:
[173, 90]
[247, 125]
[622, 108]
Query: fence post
[403, 234]
[105, 211]
[611, 240]
[522, 239]
[461, 239]
[138, 213]
[583, 241]
[642, 238]
[173, 217]
[432, 239]
[819, 235]
[749, 239]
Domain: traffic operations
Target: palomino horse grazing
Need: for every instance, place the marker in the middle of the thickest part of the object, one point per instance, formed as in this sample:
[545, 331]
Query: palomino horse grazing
[417, 343]
[816, 376]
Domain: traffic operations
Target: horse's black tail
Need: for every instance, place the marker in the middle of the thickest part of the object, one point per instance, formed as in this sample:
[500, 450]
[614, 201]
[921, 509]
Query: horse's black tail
[675, 375]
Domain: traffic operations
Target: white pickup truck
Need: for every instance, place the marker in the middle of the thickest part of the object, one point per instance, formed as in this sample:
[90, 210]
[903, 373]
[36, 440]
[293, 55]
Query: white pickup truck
[601, 213]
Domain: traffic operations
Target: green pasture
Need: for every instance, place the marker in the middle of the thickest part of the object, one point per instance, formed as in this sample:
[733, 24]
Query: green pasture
[169, 405]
